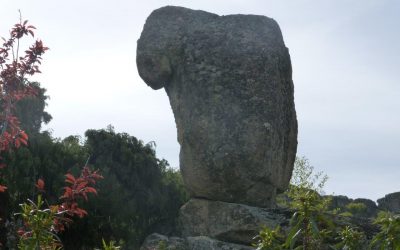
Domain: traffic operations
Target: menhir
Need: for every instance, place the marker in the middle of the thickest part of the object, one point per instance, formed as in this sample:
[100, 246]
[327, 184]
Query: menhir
[229, 82]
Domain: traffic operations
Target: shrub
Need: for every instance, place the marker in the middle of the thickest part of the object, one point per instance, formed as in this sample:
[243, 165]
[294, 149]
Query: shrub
[309, 222]
[350, 239]
[389, 235]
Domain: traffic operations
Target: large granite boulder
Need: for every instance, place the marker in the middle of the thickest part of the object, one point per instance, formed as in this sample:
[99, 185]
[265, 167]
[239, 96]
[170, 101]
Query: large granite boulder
[391, 202]
[229, 82]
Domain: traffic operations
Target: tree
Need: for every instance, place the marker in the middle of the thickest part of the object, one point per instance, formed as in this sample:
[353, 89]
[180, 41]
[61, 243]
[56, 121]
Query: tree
[31, 110]
[18, 103]
[139, 194]
[308, 222]
[14, 87]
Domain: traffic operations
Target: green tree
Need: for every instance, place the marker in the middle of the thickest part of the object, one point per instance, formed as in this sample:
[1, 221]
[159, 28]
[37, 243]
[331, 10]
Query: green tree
[309, 222]
[31, 110]
[44, 158]
[139, 194]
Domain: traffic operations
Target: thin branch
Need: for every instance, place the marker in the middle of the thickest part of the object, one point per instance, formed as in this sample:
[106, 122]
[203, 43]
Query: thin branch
[20, 22]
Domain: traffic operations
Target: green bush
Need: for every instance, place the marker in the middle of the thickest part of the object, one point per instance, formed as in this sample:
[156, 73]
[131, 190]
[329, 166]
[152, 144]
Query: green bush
[269, 239]
[350, 239]
[389, 236]
[309, 223]
[38, 222]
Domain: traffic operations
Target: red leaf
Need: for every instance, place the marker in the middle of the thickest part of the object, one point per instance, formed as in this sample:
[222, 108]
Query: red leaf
[17, 143]
[40, 185]
[81, 186]
[70, 178]
[90, 190]
[23, 141]
[2, 188]
[67, 193]
[23, 135]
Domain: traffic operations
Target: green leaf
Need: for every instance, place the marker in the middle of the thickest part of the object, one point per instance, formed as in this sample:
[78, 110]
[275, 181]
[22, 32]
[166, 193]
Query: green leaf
[314, 227]
[292, 237]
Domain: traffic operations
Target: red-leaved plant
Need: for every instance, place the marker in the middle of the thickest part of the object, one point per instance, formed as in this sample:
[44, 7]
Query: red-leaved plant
[75, 190]
[41, 221]
[53, 220]
[14, 86]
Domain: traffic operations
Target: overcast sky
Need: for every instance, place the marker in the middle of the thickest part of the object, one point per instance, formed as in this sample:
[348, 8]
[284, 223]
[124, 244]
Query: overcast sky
[346, 71]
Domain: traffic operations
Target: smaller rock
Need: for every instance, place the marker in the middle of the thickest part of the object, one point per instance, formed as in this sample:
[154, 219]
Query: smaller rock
[158, 241]
[225, 221]
[391, 202]
[207, 243]
[371, 209]
[339, 201]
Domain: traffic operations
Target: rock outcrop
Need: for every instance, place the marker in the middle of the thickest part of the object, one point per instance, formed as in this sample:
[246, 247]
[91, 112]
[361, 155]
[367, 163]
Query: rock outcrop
[391, 202]
[342, 202]
[229, 82]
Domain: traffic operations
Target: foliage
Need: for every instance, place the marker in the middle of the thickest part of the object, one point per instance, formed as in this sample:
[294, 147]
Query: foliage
[356, 208]
[350, 239]
[14, 86]
[30, 110]
[140, 193]
[38, 232]
[78, 188]
[110, 246]
[42, 225]
[269, 239]
[309, 221]
[313, 226]
[389, 236]
[303, 177]
[134, 178]
[44, 158]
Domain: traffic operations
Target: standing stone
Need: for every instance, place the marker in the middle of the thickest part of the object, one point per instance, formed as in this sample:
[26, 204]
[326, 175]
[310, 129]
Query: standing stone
[229, 82]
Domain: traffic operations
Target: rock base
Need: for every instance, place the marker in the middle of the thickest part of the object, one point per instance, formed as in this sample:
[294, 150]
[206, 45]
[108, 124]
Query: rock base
[158, 242]
[206, 224]
[225, 221]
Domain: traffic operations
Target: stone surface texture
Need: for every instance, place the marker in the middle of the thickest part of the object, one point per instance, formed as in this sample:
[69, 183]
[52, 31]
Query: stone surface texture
[341, 201]
[391, 202]
[155, 241]
[224, 221]
[229, 82]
